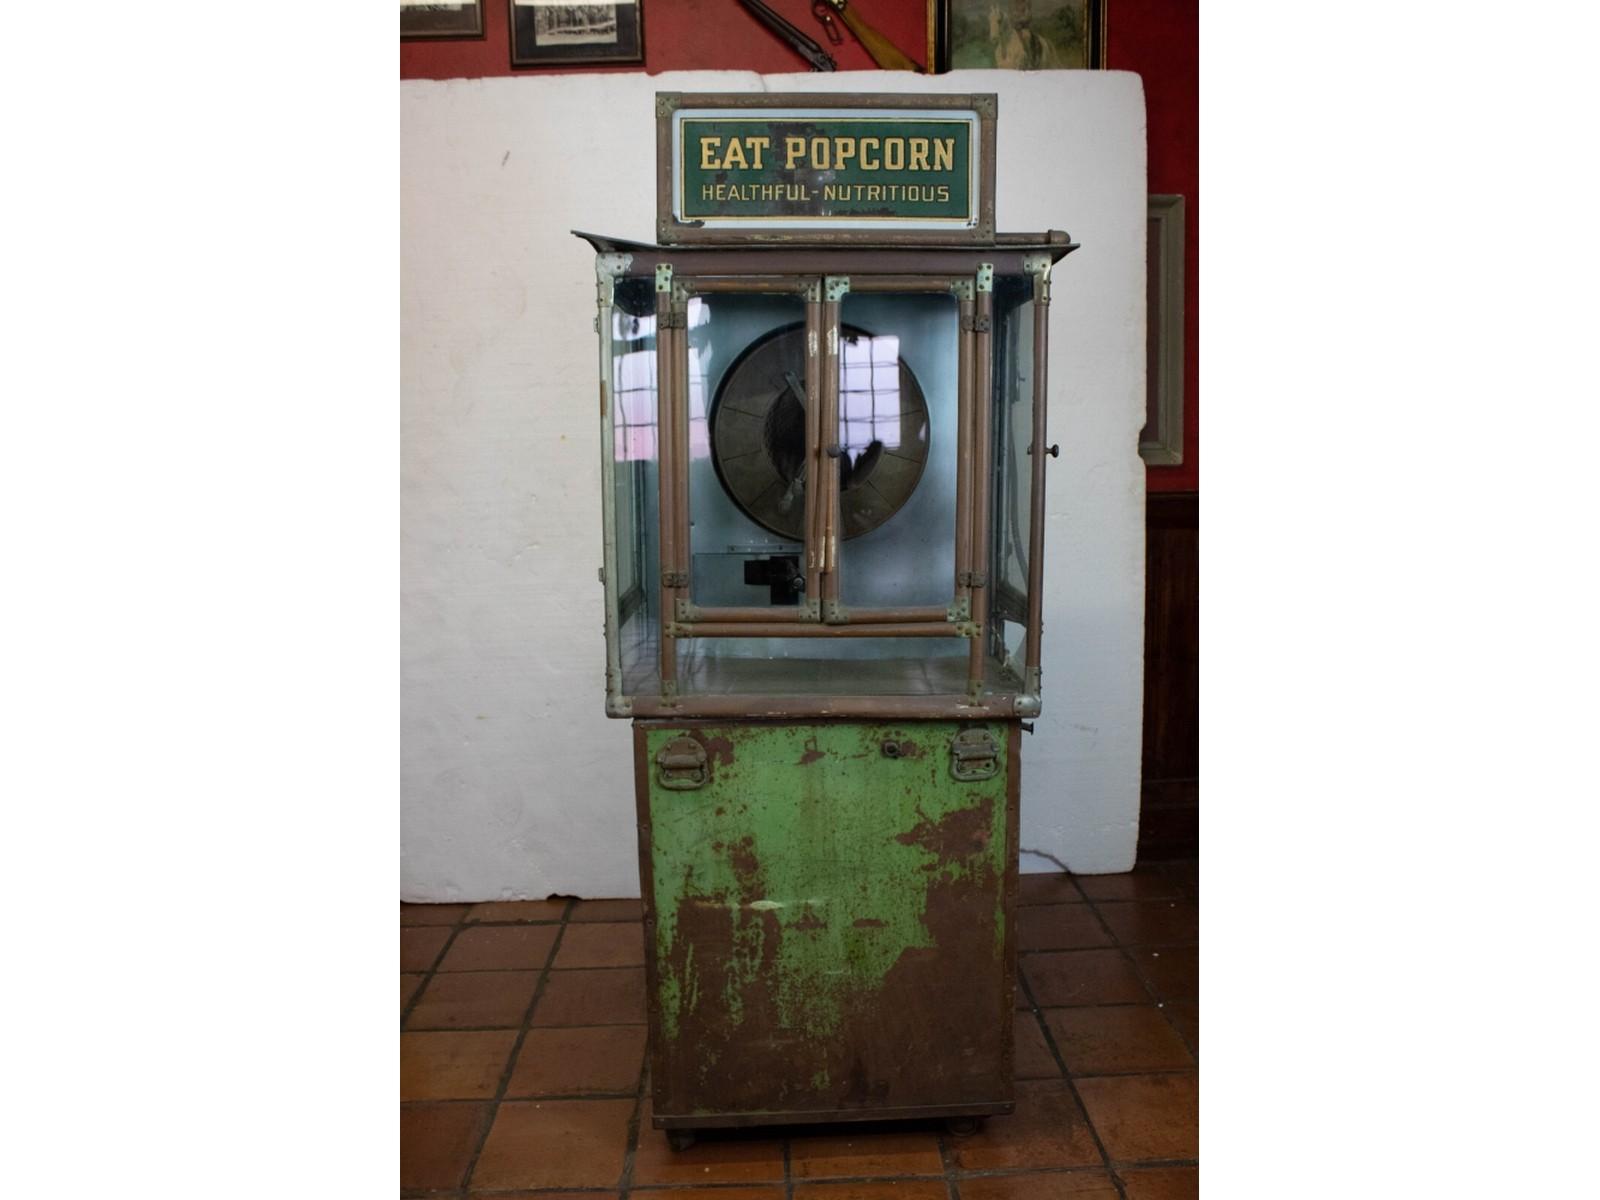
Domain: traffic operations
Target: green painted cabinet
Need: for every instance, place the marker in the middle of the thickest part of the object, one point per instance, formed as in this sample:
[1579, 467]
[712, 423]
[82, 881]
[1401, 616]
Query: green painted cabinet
[828, 907]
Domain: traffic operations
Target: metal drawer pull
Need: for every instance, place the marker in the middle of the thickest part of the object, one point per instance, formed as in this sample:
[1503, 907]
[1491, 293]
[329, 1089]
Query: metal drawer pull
[681, 765]
[974, 756]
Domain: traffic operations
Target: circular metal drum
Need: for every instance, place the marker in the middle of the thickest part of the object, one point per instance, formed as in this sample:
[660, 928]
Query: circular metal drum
[758, 431]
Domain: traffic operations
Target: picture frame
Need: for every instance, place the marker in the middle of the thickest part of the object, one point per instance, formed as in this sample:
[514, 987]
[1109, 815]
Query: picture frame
[554, 33]
[440, 19]
[1024, 35]
[1161, 439]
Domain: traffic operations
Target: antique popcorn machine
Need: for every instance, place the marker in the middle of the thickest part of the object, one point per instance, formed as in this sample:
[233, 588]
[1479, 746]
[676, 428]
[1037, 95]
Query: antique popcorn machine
[822, 402]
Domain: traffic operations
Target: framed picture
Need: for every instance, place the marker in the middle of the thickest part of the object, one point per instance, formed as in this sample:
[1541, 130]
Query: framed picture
[441, 18]
[547, 33]
[1161, 439]
[1021, 35]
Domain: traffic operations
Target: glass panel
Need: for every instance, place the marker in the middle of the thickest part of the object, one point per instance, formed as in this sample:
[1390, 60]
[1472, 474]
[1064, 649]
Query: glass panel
[747, 451]
[1013, 432]
[635, 468]
[898, 359]
[831, 667]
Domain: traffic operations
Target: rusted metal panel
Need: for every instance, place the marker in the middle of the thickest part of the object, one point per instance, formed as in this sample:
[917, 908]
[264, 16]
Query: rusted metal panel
[828, 919]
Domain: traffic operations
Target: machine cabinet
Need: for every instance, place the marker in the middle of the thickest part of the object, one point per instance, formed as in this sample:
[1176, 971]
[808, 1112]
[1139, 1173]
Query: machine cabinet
[811, 889]
[823, 466]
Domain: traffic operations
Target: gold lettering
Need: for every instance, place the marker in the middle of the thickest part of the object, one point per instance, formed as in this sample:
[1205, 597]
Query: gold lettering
[944, 194]
[844, 149]
[821, 160]
[874, 143]
[919, 154]
[944, 154]
[757, 145]
[894, 154]
[733, 158]
[708, 153]
[794, 149]
[707, 192]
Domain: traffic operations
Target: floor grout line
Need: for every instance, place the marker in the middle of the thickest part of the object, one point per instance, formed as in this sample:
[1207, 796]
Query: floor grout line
[433, 969]
[1055, 1052]
[516, 1050]
[947, 1160]
[635, 1121]
[1159, 999]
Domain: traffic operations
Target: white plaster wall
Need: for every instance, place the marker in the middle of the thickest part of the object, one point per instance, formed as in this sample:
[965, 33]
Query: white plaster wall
[513, 781]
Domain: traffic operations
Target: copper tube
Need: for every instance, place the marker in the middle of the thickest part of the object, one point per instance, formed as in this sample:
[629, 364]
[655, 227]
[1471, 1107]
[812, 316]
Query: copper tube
[1041, 335]
[770, 707]
[680, 466]
[963, 450]
[748, 614]
[711, 629]
[828, 435]
[904, 283]
[813, 376]
[776, 285]
[891, 616]
[666, 495]
[983, 485]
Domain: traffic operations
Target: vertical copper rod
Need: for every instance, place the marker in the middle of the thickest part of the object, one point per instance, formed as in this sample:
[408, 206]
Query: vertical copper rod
[963, 450]
[813, 380]
[681, 455]
[828, 435]
[666, 493]
[1041, 334]
[982, 484]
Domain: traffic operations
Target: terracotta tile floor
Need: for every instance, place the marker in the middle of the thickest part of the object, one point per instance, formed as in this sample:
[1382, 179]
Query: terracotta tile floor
[522, 1053]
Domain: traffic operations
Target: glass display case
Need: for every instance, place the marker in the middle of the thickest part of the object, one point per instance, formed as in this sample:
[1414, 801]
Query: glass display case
[821, 486]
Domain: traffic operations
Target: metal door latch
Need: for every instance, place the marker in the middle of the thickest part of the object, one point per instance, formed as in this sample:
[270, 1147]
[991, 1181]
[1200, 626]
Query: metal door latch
[681, 765]
[974, 756]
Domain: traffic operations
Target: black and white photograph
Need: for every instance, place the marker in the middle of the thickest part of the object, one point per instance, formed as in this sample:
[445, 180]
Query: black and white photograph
[549, 32]
[436, 19]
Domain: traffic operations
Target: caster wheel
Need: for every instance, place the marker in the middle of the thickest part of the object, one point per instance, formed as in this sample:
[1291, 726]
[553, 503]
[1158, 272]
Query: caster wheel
[962, 1126]
[680, 1139]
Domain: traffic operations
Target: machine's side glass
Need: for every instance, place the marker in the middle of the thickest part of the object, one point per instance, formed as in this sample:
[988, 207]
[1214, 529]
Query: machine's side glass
[1012, 470]
[635, 453]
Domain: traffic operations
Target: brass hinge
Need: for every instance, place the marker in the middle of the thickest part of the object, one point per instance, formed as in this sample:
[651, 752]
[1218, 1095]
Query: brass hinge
[673, 318]
[974, 324]
[976, 579]
[1038, 265]
[674, 579]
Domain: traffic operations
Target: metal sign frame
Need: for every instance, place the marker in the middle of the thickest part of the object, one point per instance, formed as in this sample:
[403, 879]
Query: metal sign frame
[979, 230]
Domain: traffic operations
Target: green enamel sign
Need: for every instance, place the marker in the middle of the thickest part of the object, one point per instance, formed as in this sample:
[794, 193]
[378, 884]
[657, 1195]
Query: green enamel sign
[821, 168]
[769, 167]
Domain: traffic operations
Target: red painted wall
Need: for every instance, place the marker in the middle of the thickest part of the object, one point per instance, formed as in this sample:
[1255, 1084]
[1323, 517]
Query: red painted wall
[684, 35]
[1158, 39]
